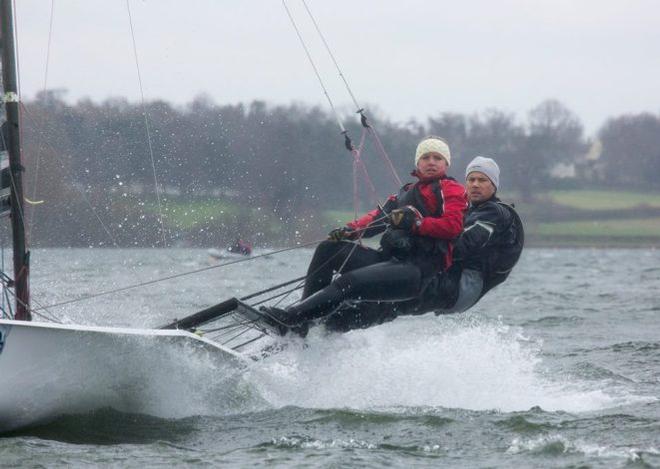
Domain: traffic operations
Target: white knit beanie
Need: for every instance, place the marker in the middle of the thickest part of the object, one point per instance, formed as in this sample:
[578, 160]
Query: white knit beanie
[433, 145]
[486, 166]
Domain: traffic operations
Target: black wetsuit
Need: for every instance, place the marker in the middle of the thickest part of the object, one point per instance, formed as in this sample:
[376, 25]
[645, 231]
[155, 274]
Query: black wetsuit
[368, 274]
[396, 272]
[484, 254]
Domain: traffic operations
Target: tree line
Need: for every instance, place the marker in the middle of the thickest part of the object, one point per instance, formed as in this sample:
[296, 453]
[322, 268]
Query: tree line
[101, 161]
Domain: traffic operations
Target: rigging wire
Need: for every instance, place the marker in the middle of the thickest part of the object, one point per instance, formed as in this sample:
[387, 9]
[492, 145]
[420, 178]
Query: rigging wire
[244, 325]
[359, 109]
[245, 329]
[344, 132]
[285, 295]
[50, 36]
[174, 276]
[327, 48]
[358, 164]
[80, 190]
[270, 289]
[241, 325]
[347, 140]
[48, 315]
[147, 127]
[254, 339]
[35, 182]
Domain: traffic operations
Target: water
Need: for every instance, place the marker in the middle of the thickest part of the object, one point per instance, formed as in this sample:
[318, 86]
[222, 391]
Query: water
[560, 367]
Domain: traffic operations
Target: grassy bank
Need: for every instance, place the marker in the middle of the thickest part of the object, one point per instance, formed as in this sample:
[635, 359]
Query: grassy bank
[579, 218]
[595, 218]
[604, 200]
[555, 218]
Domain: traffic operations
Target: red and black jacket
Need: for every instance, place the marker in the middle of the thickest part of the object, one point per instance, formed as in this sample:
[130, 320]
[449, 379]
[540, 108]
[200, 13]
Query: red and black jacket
[442, 202]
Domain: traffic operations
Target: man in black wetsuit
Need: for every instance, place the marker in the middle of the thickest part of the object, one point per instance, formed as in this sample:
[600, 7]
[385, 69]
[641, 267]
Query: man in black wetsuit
[484, 255]
[486, 251]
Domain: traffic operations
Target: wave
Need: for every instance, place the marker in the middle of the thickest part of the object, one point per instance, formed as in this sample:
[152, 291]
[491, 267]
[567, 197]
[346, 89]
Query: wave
[557, 444]
[109, 427]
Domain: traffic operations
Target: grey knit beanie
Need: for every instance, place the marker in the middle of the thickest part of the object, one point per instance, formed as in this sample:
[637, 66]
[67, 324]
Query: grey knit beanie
[486, 166]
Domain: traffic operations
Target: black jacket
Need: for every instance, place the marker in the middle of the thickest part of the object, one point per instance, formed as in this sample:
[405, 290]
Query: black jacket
[491, 242]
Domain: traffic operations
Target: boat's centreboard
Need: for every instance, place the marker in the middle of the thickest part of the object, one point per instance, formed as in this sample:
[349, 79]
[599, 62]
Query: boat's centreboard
[47, 370]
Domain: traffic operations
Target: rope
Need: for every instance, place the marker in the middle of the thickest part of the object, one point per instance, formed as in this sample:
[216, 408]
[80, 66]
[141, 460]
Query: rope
[358, 165]
[385, 157]
[147, 127]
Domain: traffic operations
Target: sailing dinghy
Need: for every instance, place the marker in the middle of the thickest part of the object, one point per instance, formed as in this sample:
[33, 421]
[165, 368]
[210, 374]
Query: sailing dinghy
[48, 369]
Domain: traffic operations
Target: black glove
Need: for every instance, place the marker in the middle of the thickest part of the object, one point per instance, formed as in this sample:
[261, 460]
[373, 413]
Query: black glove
[339, 234]
[406, 218]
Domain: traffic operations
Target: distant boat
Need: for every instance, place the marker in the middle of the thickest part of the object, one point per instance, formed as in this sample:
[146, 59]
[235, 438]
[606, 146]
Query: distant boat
[239, 249]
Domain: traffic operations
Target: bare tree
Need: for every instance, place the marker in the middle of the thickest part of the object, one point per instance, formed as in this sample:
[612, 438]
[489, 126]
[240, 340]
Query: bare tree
[555, 134]
[631, 150]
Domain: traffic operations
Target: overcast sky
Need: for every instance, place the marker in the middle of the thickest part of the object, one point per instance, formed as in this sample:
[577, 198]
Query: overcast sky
[407, 58]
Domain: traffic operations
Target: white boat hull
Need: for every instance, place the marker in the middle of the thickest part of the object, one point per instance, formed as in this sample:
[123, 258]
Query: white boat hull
[48, 370]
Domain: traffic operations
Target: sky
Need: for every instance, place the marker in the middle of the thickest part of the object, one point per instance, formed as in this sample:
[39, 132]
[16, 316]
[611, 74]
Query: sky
[401, 59]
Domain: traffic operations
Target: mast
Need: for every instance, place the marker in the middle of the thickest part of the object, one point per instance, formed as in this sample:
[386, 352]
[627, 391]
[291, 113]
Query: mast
[11, 100]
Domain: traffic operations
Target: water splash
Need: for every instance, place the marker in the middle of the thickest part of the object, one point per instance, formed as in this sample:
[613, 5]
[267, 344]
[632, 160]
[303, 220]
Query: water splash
[463, 362]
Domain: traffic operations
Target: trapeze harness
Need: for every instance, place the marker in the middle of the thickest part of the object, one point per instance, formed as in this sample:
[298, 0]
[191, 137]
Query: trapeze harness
[469, 279]
[398, 273]
[426, 252]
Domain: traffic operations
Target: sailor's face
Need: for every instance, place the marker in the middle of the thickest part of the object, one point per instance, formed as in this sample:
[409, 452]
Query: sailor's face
[479, 187]
[432, 164]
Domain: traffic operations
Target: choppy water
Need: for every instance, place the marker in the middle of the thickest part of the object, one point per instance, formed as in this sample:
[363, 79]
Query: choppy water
[560, 367]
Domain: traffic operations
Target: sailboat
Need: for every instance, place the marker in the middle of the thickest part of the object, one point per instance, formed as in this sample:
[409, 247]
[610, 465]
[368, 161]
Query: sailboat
[49, 369]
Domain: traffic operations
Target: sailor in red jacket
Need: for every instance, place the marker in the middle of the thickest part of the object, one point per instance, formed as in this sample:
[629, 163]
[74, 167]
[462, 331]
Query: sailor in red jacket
[418, 225]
